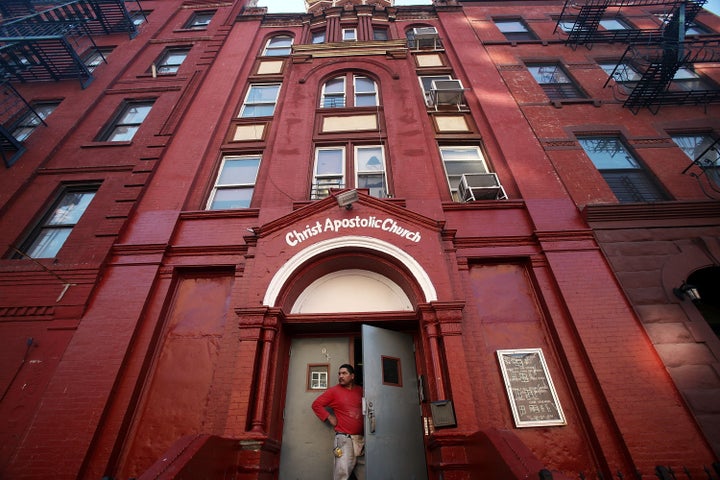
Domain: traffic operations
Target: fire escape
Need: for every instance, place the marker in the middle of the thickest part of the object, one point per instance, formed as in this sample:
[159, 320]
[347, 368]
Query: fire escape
[656, 55]
[38, 43]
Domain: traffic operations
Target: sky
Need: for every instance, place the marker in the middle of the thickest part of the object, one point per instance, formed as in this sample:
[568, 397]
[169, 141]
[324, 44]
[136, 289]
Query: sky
[295, 6]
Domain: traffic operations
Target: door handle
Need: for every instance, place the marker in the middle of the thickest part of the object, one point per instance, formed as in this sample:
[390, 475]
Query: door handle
[371, 416]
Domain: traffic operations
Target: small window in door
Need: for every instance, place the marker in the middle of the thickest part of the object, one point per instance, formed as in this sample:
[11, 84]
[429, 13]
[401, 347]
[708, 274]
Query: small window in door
[318, 377]
[391, 371]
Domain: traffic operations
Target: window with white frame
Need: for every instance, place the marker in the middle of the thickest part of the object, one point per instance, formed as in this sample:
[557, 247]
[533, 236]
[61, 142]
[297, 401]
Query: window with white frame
[127, 121]
[556, 84]
[349, 34]
[362, 91]
[459, 161]
[260, 100]
[699, 147]
[426, 84]
[278, 46]
[366, 170]
[57, 224]
[624, 174]
[169, 62]
[235, 182]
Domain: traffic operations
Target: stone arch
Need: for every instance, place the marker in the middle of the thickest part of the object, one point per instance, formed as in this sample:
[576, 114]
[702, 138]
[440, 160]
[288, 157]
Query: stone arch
[401, 270]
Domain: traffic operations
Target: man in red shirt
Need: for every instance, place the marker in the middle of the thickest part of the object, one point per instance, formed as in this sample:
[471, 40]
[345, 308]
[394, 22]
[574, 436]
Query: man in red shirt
[341, 407]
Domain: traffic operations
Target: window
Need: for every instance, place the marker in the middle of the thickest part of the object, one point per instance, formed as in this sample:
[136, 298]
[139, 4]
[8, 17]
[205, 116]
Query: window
[624, 74]
[280, 46]
[349, 34]
[55, 227]
[687, 80]
[626, 177]
[94, 57]
[380, 33]
[691, 28]
[426, 83]
[318, 36]
[697, 147]
[515, 30]
[362, 90]
[555, 82]
[127, 122]
[367, 167]
[235, 182]
[200, 20]
[260, 100]
[139, 17]
[614, 24]
[458, 161]
[30, 119]
[171, 59]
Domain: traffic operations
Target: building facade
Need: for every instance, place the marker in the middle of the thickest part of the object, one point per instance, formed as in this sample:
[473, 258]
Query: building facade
[505, 214]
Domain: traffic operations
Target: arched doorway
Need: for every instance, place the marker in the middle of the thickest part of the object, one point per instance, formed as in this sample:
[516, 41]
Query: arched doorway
[355, 292]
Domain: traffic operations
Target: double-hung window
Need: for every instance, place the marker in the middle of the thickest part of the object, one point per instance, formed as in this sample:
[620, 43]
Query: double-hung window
[628, 180]
[556, 84]
[623, 73]
[687, 80]
[698, 148]
[360, 89]
[614, 24]
[55, 227]
[31, 119]
[200, 20]
[169, 62]
[94, 57]
[235, 182]
[127, 121]
[459, 161]
[426, 83]
[366, 170]
[317, 36]
[279, 46]
[260, 100]
[515, 30]
[349, 34]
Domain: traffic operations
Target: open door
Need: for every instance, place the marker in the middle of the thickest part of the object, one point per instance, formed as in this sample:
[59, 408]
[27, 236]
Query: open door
[394, 448]
[307, 442]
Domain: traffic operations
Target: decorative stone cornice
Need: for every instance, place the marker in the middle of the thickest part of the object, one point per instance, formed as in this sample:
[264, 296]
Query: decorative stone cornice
[394, 48]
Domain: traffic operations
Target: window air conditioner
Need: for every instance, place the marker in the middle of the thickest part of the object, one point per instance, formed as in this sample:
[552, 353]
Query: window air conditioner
[480, 186]
[447, 92]
[425, 33]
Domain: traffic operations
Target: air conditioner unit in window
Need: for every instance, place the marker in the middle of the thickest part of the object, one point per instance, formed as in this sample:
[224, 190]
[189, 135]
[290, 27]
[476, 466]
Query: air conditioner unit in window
[480, 186]
[425, 33]
[447, 92]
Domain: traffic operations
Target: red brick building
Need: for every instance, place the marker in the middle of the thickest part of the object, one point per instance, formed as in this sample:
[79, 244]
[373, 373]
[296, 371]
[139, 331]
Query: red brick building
[495, 210]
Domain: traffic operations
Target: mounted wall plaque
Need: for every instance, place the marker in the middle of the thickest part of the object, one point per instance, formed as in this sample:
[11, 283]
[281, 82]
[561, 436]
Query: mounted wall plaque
[530, 390]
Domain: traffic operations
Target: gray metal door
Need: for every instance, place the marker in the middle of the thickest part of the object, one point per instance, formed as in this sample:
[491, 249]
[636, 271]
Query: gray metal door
[393, 423]
[307, 443]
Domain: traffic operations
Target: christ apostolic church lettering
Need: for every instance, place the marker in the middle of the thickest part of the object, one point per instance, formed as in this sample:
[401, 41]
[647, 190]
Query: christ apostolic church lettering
[336, 225]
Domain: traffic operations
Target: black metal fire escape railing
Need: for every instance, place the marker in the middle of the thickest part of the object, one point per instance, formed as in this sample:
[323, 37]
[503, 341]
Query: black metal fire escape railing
[39, 46]
[580, 21]
[655, 55]
[659, 63]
